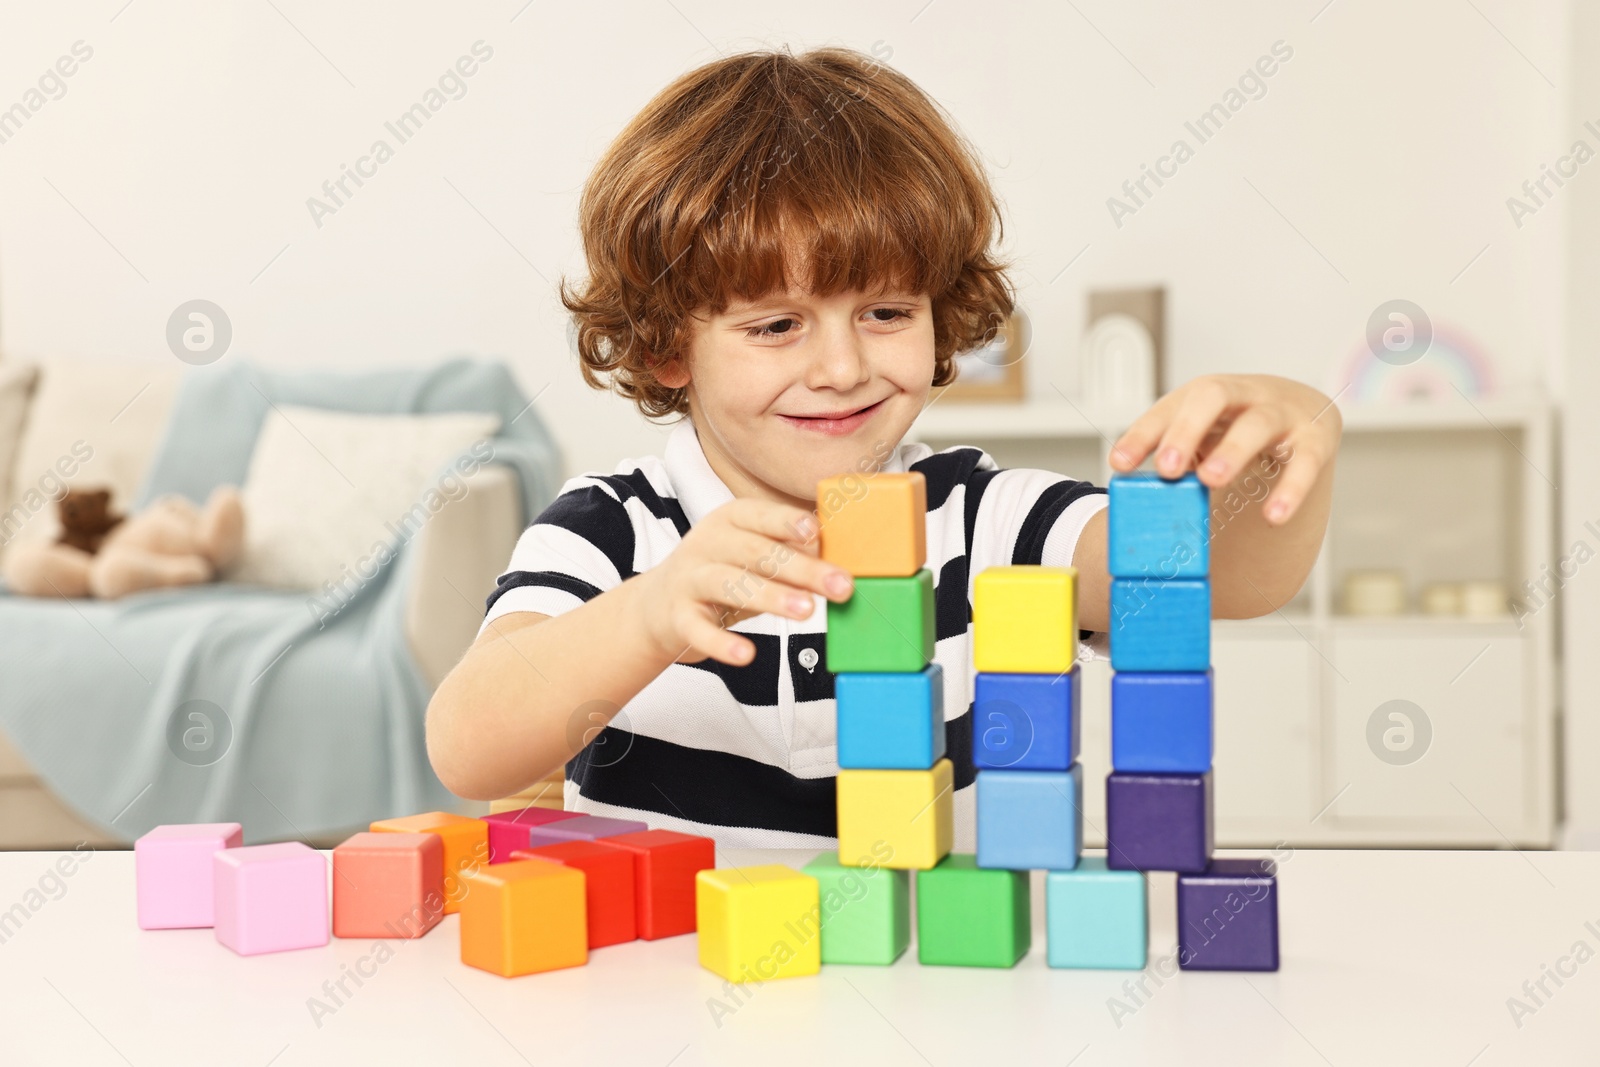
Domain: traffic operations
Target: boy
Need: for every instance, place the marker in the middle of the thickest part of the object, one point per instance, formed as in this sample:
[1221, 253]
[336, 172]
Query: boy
[789, 251]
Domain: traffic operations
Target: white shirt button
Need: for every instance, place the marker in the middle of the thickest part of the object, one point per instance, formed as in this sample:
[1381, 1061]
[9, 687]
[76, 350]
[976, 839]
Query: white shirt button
[808, 659]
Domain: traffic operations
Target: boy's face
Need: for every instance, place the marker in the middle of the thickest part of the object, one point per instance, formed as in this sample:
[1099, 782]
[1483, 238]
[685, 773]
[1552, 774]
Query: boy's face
[793, 388]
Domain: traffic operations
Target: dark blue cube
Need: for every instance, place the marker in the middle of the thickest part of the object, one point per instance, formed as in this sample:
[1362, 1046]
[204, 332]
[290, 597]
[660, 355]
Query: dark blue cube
[1161, 721]
[1158, 822]
[1025, 722]
[1228, 917]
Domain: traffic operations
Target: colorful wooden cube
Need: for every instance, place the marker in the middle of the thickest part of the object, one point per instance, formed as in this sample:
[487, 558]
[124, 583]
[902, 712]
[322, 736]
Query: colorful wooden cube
[388, 885]
[1030, 819]
[524, 916]
[874, 525]
[1158, 822]
[581, 828]
[271, 898]
[1161, 721]
[172, 873]
[508, 830]
[866, 911]
[899, 819]
[665, 864]
[891, 721]
[1026, 722]
[1228, 917]
[466, 846]
[758, 923]
[1160, 625]
[1096, 917]
[608, 886]
[1025, 619]
[1158, 528]
[968, 916]
[886, 625]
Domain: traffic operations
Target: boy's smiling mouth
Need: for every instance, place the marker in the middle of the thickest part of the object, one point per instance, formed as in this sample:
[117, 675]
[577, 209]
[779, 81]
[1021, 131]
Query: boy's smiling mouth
[834, 423]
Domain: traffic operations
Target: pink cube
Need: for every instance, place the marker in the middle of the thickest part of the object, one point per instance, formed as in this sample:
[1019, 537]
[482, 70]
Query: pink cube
[271, 898]
[508, 830]
[582, 828]
[172, 869]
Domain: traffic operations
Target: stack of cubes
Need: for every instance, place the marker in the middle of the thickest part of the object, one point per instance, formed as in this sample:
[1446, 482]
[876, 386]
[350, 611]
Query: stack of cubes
[895, 786]
[1159, 792]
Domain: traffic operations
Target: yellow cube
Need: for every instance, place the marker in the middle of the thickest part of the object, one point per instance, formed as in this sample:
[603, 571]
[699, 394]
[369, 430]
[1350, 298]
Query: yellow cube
[758, 923]
[899, 819]
[875, 525]
[1025, 620]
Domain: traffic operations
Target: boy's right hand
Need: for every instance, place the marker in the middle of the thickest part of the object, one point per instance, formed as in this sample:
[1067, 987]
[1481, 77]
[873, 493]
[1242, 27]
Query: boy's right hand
[746, 558]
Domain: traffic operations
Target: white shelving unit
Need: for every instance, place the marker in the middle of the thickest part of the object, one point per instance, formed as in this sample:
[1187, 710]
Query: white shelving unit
[1453, 492]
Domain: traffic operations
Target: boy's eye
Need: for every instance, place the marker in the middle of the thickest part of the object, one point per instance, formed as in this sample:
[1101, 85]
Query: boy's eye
[889, 314]
[772, 329]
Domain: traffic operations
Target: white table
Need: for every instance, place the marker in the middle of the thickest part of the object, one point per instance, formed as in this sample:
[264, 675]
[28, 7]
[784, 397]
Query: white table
[1388, 957]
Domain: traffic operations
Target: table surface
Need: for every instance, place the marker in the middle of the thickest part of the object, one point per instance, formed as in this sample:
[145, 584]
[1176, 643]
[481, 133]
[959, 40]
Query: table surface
[1388, 957]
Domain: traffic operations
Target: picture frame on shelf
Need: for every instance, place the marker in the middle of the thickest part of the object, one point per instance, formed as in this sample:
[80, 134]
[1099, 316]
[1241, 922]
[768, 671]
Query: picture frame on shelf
[992, 373]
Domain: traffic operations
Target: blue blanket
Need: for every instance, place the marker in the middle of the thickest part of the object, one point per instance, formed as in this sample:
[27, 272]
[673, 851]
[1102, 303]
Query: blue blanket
[226, 702]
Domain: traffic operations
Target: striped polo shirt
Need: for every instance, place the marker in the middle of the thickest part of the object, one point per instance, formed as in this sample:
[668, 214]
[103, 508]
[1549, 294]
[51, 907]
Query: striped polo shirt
[747, 754]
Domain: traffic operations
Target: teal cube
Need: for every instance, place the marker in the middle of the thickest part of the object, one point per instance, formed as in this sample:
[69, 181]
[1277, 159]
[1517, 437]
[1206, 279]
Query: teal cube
[1160, 625]
[1096, 918]
[1158, 528]
[891, 721]
[866, 911]
[968, 916]
[886, 625]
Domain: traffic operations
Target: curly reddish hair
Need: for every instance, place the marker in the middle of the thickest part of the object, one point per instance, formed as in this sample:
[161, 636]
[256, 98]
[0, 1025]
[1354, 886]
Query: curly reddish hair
[755, 158]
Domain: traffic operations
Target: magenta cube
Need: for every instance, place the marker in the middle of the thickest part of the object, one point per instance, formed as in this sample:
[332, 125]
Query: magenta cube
[582, 828]
[172, 869]
[508, 830]
[271, 898]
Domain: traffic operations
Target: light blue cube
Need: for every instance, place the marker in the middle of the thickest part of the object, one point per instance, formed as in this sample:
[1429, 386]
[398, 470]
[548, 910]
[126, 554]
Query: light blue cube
[1160, 625]
[1161, 721]
[1026, 722]
[1158, 528]
[1096, 918]
[1030, 819]
[890, 721]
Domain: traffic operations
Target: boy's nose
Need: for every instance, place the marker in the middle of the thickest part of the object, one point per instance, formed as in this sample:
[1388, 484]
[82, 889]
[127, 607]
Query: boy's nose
[840, 364]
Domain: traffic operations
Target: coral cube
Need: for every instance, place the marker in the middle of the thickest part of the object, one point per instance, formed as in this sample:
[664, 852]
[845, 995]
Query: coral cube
[388, 885]
[1160, 625]
[899, 819]
[581, 828]
[1026, 722]
[1158, 528]
[1096, 917]
[1161, 721]
[1228, 917]
[866, 911]
[758, 923]
[466, 846]
[608, 886]
[508, 830]
[1025, 619]
[891, 721]
[886, 625]
[271, 898]
[172, 871]
[1030, 819]
[1158, 822]
[665, 863]
[874, 525]
[971, 917]
[524, 916]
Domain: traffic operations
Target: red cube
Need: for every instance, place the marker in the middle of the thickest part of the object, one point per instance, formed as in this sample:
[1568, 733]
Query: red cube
[665, 863]
[608, 893]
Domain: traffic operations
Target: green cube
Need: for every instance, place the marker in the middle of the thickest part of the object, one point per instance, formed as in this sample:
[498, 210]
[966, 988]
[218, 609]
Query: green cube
[866, 911]
[886, 625]
[969, 916]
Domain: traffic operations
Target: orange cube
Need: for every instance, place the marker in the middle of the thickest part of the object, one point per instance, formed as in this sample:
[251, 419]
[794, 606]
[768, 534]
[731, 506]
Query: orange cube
[875, 525]
[388, 885]
[524, 916]
[466, 846]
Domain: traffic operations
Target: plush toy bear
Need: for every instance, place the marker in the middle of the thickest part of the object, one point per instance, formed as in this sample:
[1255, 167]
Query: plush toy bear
[100, 553]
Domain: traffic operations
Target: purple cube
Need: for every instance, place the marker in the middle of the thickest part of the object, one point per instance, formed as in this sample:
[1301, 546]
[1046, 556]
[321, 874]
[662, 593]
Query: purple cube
[1158, 822]
[581, 828]
[1228, 917]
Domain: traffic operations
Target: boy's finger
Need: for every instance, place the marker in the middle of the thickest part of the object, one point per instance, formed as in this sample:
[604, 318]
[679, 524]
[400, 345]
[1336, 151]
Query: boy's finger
[745, 592]
[1298, 476]
[1200, 410]
[763, 559]
[781, 522]
[1250, 435]
[1138, 440]
[704, 639]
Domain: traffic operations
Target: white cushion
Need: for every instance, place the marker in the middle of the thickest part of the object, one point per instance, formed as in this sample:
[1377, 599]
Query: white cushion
[330, 495]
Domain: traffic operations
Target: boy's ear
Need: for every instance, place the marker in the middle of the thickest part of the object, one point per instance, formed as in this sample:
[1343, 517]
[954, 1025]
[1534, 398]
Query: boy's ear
[671, 373]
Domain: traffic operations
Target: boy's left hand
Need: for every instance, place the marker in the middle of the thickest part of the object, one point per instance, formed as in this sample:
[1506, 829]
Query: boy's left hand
[1218, 424]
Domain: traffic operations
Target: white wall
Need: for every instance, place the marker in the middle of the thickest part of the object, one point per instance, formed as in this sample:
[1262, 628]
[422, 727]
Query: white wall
[193, 137]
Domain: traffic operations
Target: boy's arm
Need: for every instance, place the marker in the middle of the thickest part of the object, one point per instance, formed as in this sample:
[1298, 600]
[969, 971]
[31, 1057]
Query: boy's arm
[1265, 447]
